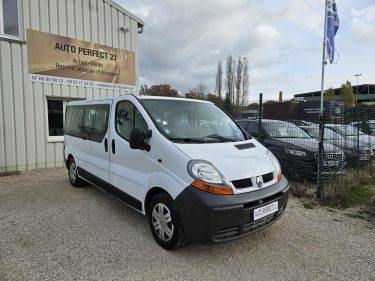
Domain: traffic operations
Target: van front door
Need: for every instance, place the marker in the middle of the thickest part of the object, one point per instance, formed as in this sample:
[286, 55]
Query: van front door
[129, 168]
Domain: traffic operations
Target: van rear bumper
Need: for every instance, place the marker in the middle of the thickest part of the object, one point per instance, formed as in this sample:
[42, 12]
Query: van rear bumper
[209, 218]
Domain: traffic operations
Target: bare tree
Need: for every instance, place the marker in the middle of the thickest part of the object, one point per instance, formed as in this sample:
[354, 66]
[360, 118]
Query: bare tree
[201, 89]
[245, 82]
[234, 82]
[229, 78]
[238, 82]
[219, 78]
[199, 92]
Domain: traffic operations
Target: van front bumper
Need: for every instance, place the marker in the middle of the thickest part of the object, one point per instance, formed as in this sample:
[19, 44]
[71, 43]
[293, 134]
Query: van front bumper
[210, 218]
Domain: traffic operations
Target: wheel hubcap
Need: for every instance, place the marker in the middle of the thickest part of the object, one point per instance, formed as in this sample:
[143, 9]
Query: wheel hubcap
[72, 171]
[162, 222]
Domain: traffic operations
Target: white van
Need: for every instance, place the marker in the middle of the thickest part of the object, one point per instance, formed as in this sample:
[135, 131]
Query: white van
[184, 163]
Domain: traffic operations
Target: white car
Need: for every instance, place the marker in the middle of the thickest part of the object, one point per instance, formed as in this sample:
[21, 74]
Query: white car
[184, 163]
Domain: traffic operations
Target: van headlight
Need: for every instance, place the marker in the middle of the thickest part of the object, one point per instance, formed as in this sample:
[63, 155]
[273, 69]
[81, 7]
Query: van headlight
[208, 177]
[276, 164]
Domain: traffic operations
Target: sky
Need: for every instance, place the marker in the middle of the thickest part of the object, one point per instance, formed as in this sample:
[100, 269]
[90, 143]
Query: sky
[184, 40]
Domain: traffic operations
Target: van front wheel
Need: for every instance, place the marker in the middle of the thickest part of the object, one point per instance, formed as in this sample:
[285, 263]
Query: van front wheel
[75, 180]
[165, 222]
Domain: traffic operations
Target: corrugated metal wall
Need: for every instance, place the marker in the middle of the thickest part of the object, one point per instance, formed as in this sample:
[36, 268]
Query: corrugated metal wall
[23, 104]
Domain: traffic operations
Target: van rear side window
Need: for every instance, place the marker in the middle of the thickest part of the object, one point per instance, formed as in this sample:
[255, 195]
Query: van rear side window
[96, 122]
[73, 121]
[87, 121]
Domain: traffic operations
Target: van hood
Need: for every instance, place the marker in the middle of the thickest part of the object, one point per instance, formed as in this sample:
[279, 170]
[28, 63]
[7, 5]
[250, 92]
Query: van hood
[235, 163]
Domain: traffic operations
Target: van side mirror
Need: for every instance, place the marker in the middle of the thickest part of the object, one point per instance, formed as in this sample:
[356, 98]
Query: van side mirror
[137, 139]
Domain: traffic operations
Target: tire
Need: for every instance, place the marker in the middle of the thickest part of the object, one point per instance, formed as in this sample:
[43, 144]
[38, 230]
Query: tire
[165, 222]
[75, 180]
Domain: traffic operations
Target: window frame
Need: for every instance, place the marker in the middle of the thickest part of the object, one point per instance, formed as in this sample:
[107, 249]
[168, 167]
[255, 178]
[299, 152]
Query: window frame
[21, 36]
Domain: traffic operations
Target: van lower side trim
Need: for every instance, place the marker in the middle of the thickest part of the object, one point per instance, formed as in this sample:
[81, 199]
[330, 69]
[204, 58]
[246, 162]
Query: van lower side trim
[123, 196]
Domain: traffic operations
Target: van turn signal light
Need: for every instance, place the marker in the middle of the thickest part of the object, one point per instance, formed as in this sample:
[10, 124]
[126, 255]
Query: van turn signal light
[225, 190]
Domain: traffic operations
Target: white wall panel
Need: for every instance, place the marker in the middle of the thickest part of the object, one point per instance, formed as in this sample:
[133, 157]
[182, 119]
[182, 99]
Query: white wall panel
[23, 104]
[19, 114]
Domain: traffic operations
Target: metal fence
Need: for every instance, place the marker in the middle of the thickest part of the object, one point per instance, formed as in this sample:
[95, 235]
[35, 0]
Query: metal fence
[291, 131]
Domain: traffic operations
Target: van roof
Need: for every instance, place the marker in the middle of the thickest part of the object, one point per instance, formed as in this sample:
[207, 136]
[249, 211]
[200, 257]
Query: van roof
[170, 98]
[80, 102]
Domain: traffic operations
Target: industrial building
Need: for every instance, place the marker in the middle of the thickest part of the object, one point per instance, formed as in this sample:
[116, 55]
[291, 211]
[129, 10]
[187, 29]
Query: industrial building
[52, 52]
[366, 94]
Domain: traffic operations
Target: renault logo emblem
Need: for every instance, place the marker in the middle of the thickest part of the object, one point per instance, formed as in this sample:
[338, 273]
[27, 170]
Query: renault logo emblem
[259, 181]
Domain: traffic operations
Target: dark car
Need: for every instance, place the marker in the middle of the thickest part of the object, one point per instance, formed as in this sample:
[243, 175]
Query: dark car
[354, 154]
[296, 150]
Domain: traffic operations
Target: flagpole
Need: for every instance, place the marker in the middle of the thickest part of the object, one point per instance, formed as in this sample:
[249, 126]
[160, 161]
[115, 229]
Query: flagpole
[320, 190]
[324, 62]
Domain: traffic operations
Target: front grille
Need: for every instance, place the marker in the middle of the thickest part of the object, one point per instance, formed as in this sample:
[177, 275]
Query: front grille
[244, 183]
[226, 233]
[262, 201]
[337, 159]
[267, 177]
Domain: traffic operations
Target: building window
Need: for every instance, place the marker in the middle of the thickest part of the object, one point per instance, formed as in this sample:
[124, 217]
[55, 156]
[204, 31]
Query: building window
[10, 18]
[55, 118]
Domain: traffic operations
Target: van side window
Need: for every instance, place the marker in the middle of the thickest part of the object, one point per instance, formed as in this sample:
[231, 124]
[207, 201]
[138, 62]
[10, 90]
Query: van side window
[127, 118]
[95, 124]
[73, 122]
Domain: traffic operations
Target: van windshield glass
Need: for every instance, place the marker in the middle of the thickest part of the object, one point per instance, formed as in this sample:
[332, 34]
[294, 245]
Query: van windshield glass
[193, 122]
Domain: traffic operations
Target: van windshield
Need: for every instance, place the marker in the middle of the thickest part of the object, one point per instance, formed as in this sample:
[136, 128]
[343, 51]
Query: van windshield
[193, 122]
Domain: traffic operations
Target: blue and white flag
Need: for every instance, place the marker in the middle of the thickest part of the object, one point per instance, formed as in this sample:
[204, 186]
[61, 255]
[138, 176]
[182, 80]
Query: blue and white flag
[332, 27]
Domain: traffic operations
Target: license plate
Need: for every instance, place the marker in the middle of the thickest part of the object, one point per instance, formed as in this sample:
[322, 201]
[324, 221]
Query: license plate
[333, 163]
[266, 210]
[363, 157]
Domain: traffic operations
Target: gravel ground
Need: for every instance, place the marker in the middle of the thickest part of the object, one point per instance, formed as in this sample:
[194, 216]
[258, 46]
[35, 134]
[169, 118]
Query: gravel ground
[52, 231]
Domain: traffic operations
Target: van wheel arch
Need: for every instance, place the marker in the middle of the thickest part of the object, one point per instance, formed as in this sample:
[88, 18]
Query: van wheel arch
[151, 194]
[70, 156]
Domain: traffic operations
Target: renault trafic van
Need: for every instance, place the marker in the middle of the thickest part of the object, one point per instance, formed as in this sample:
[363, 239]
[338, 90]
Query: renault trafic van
[184, 163]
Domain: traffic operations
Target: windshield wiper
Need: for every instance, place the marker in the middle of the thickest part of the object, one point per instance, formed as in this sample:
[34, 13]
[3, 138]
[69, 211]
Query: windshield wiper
[191, 140]
[221, 138]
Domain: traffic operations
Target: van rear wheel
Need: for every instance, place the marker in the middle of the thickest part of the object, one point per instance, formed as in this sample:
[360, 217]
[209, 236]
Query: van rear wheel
[165, 222]
[75, 180]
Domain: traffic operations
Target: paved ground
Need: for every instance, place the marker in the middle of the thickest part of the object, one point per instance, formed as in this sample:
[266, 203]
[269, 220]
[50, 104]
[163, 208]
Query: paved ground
[52, 231]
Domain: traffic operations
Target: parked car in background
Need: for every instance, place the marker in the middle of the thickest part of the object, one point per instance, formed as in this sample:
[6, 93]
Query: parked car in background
[296, 150]
[367, 127]
[354, 134]
[354, 154]
[300, 122]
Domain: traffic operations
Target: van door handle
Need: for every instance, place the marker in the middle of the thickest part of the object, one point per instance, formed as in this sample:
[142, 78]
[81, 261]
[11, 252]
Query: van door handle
[106, 145]
[113, 146]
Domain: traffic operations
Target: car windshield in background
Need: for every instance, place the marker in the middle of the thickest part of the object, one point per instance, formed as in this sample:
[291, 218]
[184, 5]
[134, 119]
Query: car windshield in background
[284, 130]
[349, 130]
[193, 122]
[328, 134]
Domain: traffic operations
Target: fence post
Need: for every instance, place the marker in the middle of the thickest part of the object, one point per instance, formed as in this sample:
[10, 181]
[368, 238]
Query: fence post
[260, 115]
[320, 181]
